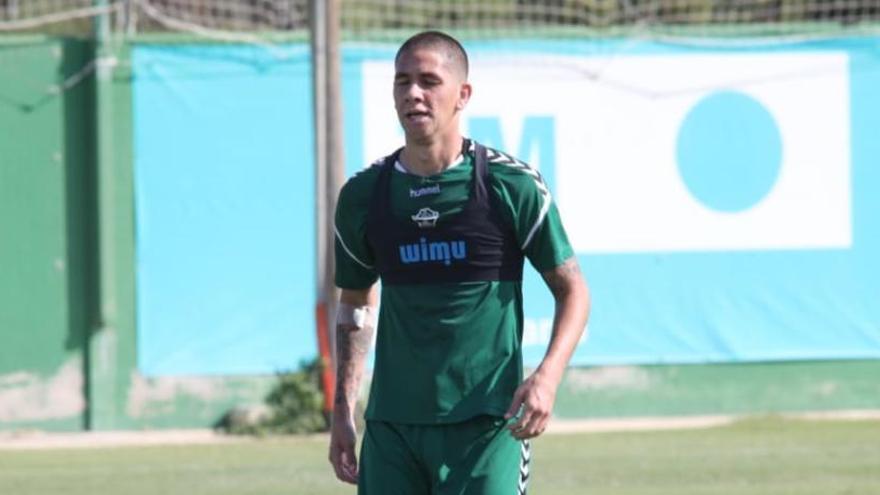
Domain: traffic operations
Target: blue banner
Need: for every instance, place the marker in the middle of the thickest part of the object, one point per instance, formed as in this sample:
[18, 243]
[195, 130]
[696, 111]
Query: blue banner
[721, 201]
[224, 184]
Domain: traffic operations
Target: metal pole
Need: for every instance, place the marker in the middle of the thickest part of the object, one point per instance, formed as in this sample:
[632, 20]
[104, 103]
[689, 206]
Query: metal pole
[318, 19]
[335, 154]
[319, 97]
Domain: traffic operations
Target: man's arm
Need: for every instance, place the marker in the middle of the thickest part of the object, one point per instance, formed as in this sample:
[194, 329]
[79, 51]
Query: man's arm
[537, 393]
[355, 324]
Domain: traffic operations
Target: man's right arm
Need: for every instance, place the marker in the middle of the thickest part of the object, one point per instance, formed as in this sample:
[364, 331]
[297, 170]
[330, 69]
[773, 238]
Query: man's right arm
[355, 325]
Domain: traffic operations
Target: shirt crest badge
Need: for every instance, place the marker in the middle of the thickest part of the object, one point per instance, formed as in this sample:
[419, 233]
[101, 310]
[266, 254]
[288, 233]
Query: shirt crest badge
[426, 218]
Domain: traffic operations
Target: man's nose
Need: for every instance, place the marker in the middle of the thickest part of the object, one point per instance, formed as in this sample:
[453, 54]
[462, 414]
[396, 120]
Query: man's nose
[413, 92]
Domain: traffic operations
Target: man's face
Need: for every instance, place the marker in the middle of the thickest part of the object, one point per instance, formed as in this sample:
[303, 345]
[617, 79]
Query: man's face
[428, 94]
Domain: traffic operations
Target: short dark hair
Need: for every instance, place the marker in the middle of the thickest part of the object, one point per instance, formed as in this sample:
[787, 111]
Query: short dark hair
[437, 40]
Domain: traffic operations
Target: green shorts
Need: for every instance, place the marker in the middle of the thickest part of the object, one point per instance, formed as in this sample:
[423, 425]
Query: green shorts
[476, 457]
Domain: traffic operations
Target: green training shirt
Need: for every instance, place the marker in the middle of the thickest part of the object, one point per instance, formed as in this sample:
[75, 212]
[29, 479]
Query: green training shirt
[448, 352]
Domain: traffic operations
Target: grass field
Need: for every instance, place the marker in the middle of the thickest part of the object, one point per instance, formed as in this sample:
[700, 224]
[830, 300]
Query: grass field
[756, 457]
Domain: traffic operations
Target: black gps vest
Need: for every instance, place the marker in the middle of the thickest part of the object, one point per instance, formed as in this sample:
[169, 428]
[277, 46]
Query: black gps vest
[475, 244]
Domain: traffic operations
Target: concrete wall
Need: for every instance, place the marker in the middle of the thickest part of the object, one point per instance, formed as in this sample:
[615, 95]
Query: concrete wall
[60, 368]
[46, 251]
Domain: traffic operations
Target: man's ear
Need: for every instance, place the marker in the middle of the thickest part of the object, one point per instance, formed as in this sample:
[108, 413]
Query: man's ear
[464, 95]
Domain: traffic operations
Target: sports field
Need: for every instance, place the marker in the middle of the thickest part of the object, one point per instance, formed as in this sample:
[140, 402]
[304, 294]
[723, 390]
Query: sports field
[761, 456]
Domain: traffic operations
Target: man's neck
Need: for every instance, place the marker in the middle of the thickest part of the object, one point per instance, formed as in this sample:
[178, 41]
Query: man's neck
[431, 158]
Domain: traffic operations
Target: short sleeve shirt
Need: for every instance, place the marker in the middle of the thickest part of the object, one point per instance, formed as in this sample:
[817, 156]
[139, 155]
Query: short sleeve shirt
[448, 352]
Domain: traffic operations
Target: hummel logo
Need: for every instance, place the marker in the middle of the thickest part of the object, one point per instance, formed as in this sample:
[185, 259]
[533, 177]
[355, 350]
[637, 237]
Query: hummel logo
[426, 217]
[417, 193]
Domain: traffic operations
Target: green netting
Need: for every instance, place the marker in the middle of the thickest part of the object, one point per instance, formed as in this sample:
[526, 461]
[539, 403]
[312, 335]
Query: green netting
[391, 20]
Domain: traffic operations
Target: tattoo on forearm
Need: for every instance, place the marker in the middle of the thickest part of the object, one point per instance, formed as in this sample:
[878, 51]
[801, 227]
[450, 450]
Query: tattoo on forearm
[352, 346]
[560, 279]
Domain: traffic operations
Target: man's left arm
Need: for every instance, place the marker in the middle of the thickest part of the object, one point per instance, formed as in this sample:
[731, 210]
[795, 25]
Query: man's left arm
[535, 396]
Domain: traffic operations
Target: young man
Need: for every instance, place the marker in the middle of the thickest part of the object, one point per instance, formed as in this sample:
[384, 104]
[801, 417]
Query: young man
[445, 223]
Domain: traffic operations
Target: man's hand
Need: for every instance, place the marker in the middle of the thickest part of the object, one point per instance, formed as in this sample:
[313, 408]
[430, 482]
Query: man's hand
[343, 437]
[535, 397]
[534, 401]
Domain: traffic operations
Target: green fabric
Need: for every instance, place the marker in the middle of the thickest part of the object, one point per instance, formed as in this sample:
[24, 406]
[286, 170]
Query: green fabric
[476, 457]
[447, 352]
